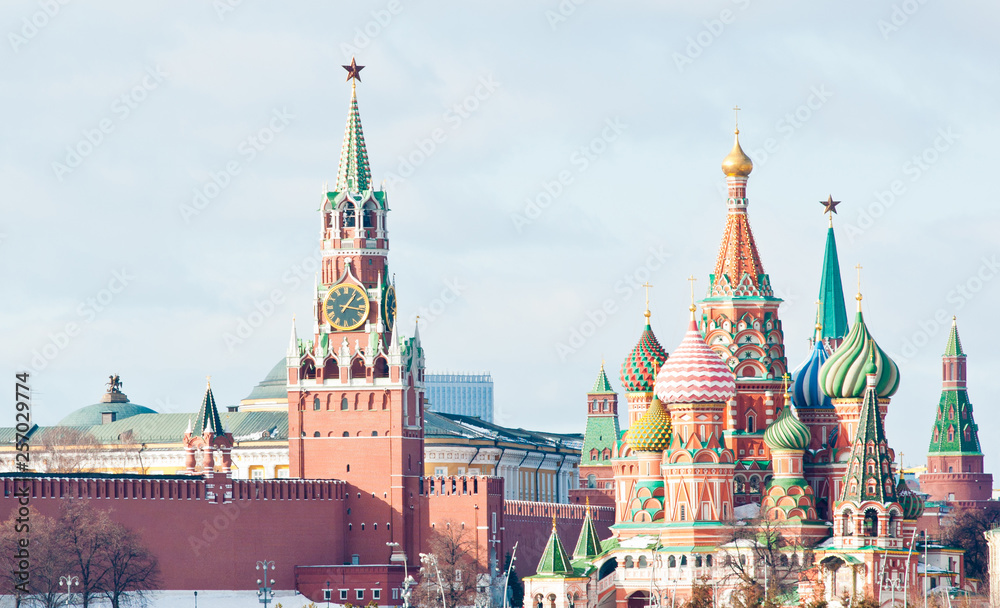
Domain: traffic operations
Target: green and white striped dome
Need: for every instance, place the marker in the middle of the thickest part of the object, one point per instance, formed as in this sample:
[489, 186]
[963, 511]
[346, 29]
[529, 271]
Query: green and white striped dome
[843, 374]
[787, 432]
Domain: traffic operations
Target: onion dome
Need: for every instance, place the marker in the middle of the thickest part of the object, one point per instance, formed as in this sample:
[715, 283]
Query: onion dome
[737, 163]
[787, 432]
[843, 374]
[805, 378]
[651, 433]
[639, 368]
[910, 501]
[695, 373]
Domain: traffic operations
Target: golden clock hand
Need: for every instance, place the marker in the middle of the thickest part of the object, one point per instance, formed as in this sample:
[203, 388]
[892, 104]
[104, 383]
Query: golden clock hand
[348, 303]
[352, 308]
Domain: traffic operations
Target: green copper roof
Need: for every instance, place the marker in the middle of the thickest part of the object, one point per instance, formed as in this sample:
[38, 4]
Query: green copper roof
[354, 174]
[954, 347]
[602, 385]
[955, 430]
[787, 432]
[910, 501]
[869, 468]
[93, 414]
[602, 433]
[832, 312]
[588, 545]
[208, 416]
[843, 374]
[273, 386]
[554, 559]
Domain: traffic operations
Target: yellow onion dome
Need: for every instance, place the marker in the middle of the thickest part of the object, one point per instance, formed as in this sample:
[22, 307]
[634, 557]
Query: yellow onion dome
[737, 163]
[651, 433]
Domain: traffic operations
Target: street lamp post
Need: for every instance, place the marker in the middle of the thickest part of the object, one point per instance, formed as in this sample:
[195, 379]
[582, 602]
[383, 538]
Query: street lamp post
[407, 579]
[264, 590]
[195, 599]
[513, 556]
[328, 592]
[429, 559]
[69, 581]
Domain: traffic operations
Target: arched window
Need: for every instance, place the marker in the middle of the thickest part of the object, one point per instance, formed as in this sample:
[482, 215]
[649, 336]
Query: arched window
[937, 435]
[344, 405]
[381, 369]
[606, 454]
[605, 406]
[374, 433]
[591, 481]
[346, 434]
[348, 216]
[684, 561]
[671, 562]
[315, 404]
[951, 433]
[593, 453]
[750, 426]
[708, 561]
[628, 561]
[316, 434]
[697, 561]
[968, 434]
[951, 412]
[643, 562]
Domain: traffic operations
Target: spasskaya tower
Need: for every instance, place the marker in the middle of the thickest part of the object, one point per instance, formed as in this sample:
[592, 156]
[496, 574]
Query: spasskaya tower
[355, 386]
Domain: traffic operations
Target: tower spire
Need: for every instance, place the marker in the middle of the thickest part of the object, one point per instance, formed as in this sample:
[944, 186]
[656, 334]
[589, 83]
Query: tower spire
[832, 311]
[353, 174]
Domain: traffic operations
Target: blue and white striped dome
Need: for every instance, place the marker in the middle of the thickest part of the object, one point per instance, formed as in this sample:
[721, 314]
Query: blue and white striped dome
[805, 379]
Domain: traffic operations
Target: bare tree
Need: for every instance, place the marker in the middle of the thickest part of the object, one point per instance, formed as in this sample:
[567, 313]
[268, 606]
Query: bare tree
[132, 571]
[84, 539]
[759, 552]
[450, 569]
[46, 563]
[966, 530]
[65, 449]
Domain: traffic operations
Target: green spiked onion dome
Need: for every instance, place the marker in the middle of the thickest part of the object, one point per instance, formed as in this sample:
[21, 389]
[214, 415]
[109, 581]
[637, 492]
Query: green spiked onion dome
[651, 433]
[910, 501]
[843, 374]
[787, 432]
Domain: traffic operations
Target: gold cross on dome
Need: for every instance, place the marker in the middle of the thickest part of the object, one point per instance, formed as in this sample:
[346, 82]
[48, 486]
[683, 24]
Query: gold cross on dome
[691, 280]
[858, 268]
[737, 109]
[647, 286]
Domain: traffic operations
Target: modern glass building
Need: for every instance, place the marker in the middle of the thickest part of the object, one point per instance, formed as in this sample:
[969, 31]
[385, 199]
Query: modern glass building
[461, 393]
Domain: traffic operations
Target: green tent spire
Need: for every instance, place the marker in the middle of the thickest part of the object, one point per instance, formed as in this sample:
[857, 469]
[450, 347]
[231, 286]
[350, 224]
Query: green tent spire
[832, 311]
[588, 545]
[602, 385]
[954, 347]
[354, 174]
[208, 416]
[554, 559]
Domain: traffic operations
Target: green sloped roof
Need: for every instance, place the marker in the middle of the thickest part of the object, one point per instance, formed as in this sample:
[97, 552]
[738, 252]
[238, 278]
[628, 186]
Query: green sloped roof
[91, 414]
[170, 428]
[588, 545]
[832, 311]
[602, 432]
[954, 347]
[354, 174]
[440, 424]
[554, 559]
[602, 385]
[208, 418]
[273, 386]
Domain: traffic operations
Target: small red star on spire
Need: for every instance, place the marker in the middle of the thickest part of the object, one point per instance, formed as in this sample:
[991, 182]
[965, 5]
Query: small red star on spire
[830, 204]
[354, 70]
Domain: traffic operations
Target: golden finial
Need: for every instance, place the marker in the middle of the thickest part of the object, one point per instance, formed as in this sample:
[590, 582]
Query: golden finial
[692, 308]
[647, 286]
[819, 312]
[858, 297]
[553, 522]
[737, 109]
[208, 380]
[737, 163]
[786, 377]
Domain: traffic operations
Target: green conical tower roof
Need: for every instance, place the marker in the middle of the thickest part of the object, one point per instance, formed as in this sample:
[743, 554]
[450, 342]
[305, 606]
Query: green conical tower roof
[554, 559]
[208, 415]
[832, 315]
[354, 174]
[602, 385]
[954, 347]
[588, 545]
[869, 468]
[955, 429]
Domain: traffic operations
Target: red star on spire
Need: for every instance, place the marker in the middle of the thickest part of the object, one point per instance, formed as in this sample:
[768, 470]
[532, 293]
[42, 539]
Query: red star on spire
[354, 70]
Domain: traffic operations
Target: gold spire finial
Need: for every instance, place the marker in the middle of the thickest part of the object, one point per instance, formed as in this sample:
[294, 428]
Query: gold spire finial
[553, 522]
[208, 380]
[588, 505]
[858, 297]
[786, 377]
[692, 308]
[647, 286]
[737, 109]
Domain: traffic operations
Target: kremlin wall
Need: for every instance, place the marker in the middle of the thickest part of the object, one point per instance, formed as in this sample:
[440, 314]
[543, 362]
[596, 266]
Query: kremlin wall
[718, 428]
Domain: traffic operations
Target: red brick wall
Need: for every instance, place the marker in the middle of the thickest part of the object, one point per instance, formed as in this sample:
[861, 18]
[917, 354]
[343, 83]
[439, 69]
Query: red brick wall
[204, 543]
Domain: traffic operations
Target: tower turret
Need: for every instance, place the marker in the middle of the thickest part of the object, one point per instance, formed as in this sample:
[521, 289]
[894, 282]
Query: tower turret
[599, 439]
[955, 457]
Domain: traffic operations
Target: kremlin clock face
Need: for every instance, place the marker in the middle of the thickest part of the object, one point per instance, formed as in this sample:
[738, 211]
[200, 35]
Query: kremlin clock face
[389, 307]
[346, 307]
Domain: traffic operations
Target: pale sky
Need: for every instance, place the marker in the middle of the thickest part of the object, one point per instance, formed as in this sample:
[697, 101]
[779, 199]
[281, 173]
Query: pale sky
[612, 117]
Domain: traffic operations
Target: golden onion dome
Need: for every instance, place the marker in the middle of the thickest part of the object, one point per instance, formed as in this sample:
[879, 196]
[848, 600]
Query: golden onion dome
[737, 163]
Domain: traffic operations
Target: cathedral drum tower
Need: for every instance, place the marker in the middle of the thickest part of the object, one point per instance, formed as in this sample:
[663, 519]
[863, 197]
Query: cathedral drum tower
[355, 387]
[740, 322]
